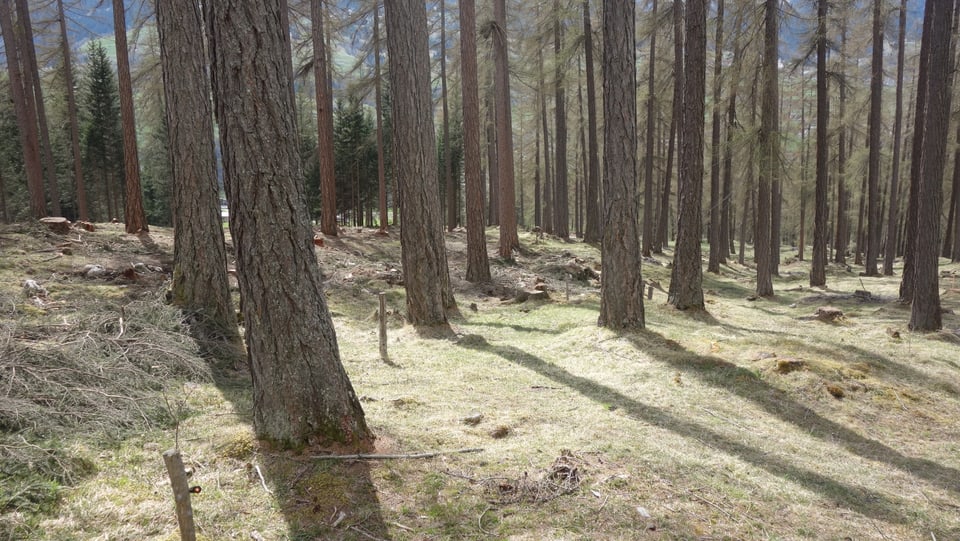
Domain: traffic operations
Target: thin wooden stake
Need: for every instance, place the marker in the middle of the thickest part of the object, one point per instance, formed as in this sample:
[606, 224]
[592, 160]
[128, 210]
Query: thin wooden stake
[650, 292]
[181, 494]
[383, 326]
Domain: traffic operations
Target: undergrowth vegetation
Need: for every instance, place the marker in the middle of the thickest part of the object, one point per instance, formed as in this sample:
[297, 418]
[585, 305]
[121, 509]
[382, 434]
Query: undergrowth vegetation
[757, 419]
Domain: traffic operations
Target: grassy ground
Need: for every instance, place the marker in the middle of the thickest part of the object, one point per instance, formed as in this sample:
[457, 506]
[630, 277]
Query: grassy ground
[754, 420]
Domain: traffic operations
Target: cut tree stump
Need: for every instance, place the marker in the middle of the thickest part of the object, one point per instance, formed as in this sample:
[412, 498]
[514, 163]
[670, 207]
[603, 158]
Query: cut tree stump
[56, 224]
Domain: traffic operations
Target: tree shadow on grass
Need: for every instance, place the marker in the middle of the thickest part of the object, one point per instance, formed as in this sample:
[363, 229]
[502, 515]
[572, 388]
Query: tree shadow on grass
[319, 499]
[867, 502]
[744, 383]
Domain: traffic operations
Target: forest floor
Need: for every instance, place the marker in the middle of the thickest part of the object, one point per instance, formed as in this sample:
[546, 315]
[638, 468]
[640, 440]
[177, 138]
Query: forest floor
[753, 420]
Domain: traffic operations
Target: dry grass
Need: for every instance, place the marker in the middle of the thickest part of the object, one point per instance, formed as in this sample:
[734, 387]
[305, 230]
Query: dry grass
[718, 425]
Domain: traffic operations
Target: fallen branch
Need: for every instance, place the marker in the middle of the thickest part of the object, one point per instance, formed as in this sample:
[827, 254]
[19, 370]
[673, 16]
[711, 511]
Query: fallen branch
[263, 482]
[395, 457]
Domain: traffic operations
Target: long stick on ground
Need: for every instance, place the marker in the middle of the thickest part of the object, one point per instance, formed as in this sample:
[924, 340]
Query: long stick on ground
[396, 457]
[181, 494]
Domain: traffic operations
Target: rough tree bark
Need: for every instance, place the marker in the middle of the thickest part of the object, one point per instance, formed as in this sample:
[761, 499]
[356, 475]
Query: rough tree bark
[648, 216]
[818, 269]
[134, 215]
[561, 208]
[925, 313]
[842, 224]
[324, 101]
[769, 150]
[199, 256]
[82, 207]
[508, 212]
[916, 158]
[301, 392]
[621, 290]
[890, 250]
[686, 280]
[717, 248]
[478, 266]
[874, 221]
[31, 72]
[592, 232]
[426, 277]
[26, 113]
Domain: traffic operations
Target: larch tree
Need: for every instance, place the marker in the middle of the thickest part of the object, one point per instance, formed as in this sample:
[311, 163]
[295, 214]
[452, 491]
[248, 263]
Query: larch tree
[676, 136]
[592, 232]
[199, 254]
[726, 218]
[890, 246]
[478, 265]
[302, 394]
[426, 277]
[561, 208]
[31, 72]
[504, 124]
[324, 102]
[547, 196]
[818, 269]
[648, 214]
[621, 289]
[925, 313]
[82, 206]
[907, 280]
[450, 186]
[874, 220]
[378, 104]
[686, 279]
[718, 252]
[134, 216]
[842, 224]
[769, 149]
[25, 111]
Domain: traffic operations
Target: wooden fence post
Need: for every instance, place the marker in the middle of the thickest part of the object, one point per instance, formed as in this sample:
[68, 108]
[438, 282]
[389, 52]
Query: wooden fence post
[181, 494]
[383, 326]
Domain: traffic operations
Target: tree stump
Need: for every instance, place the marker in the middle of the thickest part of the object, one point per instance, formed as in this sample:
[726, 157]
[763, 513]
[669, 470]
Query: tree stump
[57, 224]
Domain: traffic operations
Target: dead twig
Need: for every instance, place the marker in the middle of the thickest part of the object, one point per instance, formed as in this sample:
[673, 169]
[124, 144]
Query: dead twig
[480, 522]
[395, 457]
[263, 482]
[710, 503]
[365, 533]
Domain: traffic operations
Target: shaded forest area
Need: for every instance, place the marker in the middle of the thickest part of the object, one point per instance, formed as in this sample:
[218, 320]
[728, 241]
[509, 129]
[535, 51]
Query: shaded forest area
[559, 159]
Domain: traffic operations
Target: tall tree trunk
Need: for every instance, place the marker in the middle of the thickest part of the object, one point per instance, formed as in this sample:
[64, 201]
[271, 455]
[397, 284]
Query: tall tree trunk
[426, 277]
[493, 211]
[769, 151]
[648, 215]
[25, 111]
[508, 212]
[4, 210]
[717, 248]
[925, 314]
[324, 101]
[561, 211]
[686, 281]
[860, 237]
[842, 224]
[478, 266]
[916, 158]
[31, 72]
[448, 181]
[818, 268]
[726, 218]
[890, 249]
[583, 171]
[301, 391]
[537, 206]
[874, 221]
[199, 256]
[804, 162]
[594, 226]
[547, 171]
[621, 290]
[378, 98]
[82, 207]
[676, 134]
[134, 215]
